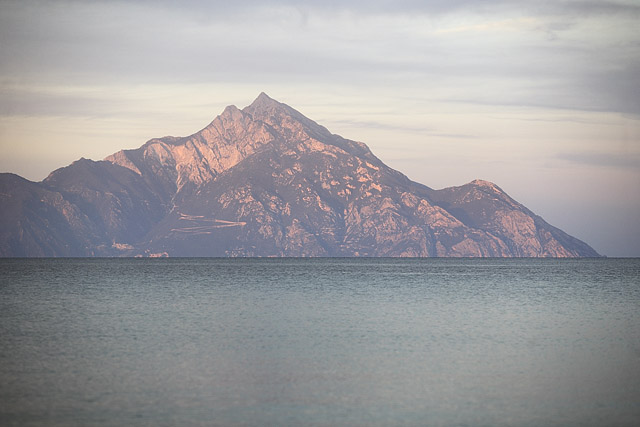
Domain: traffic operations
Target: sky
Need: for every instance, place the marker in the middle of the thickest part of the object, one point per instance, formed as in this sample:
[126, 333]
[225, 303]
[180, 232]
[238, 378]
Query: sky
[540, 97]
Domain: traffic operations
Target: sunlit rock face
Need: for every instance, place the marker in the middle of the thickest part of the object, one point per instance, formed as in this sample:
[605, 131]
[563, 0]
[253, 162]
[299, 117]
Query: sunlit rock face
[263, 181]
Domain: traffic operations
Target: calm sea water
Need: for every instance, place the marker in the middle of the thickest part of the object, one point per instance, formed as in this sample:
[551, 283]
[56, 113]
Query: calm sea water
[367, 342]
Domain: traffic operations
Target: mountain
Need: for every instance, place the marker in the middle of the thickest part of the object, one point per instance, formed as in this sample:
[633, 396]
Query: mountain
[263, 181]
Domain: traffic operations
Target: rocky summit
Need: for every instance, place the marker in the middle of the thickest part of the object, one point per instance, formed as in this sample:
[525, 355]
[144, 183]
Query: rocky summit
[263, 181]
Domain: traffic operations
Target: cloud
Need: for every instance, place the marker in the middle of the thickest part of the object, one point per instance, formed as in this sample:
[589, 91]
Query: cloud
[361, 7]
[603, 159]
[424, 131]
[545, 54]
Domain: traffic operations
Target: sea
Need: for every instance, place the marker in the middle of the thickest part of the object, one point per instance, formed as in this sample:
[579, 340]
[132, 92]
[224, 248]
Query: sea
[319, 342]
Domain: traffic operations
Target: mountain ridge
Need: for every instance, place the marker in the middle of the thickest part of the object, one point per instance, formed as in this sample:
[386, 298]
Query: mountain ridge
[264, 180]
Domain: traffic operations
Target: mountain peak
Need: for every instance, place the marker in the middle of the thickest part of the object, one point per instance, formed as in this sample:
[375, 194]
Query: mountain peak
[264, 102]
[483, 183]
[275, 113]
[231, 112]
[230, 109]
[264, 98]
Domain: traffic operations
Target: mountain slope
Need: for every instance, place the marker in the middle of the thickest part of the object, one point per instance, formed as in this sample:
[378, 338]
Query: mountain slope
[36, 221]
[267, 181]
[485, 206]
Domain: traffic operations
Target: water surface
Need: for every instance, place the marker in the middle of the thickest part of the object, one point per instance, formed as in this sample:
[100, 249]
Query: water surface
[320, 342]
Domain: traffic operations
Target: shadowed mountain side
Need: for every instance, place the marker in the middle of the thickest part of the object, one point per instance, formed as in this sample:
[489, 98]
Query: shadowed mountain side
[263, 181]
[120, 203]
[85, 209]
[40, 222]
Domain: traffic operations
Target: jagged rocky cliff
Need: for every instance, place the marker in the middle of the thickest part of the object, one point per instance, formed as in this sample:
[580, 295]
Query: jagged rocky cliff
[262, 181]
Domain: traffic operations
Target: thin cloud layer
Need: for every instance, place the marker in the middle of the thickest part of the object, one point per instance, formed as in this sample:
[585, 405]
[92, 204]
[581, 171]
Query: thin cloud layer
[553, 55]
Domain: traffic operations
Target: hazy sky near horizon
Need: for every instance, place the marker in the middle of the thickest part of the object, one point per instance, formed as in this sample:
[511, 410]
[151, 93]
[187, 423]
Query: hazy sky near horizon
[540, 97]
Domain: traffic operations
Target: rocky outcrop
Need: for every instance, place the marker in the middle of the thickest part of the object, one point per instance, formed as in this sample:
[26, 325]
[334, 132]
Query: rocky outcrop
[263, 181]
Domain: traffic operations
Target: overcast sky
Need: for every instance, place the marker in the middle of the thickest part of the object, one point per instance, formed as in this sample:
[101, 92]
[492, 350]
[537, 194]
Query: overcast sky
[540, 97]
